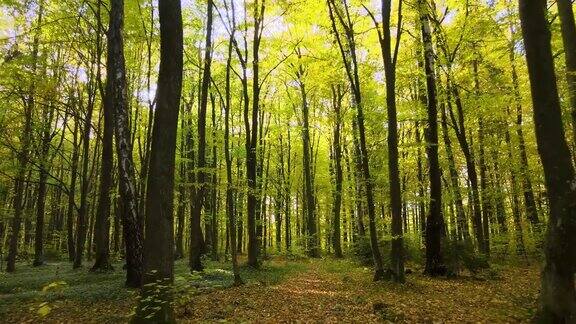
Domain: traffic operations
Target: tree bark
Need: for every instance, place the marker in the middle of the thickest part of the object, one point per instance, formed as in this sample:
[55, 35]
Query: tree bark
[435, 220]
[195, 262]
[156, 296]
[558, 296]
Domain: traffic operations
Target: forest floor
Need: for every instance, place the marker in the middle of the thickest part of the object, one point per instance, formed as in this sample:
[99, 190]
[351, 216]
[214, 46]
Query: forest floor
[283, 290]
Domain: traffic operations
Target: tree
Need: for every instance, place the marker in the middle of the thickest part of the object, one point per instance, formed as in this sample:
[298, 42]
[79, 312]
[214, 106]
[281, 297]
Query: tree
[199, 192]
[350, 61]
[102, 224]
[434, 220]
[156, 297]
[131, 221]
[558, 296]
[390, 59]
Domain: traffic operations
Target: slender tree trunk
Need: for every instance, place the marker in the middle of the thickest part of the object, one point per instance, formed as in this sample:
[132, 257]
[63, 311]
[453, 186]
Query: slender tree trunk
[102, 226]
[389, 58]
[214, 189]
[229, 181]
[529, 200]
[461, 220]
[23, 155]
[337, 147]
[487, 208]
[48, 116]
[72, 191]
[131, 220]
[312, 248]
[435, 220]
[83, 211]
[195, 262]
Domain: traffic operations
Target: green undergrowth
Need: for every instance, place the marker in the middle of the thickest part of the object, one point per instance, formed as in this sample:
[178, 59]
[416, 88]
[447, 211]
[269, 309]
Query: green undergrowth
[31, 287]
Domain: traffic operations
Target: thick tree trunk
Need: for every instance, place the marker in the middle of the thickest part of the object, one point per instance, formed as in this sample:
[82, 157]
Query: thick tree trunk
[156, 296]
[558, 296]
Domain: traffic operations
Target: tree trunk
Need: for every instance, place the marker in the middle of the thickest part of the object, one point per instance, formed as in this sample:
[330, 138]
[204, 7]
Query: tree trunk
[435, 220]
[337, 148]
[156, 296]
[568, 28]
[102, 226]
[72, 190]
[463, 233]
[195, 261]
[558, 296]
[24, 154]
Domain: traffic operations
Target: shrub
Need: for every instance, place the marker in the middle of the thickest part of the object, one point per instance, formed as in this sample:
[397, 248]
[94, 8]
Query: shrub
[460, 255]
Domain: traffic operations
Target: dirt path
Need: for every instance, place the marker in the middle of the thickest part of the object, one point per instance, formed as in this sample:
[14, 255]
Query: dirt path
[311, 296]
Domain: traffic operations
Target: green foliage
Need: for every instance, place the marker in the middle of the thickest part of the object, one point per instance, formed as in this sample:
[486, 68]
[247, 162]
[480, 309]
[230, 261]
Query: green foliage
[362, 251]
[461, 255]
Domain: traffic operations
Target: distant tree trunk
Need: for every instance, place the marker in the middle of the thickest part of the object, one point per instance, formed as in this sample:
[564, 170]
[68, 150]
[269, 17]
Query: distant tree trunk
[352, 71]
[435, 220]
[337, 147]
[487, 208]
[312, 248]
[529, 200]
[515, 201]
[182, 197]
[156, 295]
[214, 188]
[499, 184]
[288, 195]
[102, 226]
[24, 154]
[359, 191]
[72, 190]
[461, 220]
[83, 211]
[465, 145]
[421, 184]
[229, 185]
[195, 261]
[48, 117]
[558, 296]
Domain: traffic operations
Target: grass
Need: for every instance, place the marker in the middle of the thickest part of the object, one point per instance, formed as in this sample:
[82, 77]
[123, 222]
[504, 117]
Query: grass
[30, 288]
